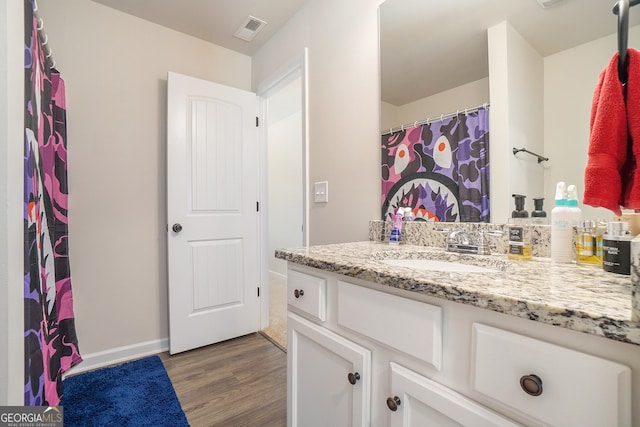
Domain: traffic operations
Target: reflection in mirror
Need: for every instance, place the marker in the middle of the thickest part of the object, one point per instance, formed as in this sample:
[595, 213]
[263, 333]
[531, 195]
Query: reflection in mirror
[438, 169]
[536, 67]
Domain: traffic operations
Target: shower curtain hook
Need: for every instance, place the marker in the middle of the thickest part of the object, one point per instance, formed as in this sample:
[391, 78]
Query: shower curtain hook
[465, 111]
[401, 128]
[46, 40]
[35, 6]
[50, 53]
[40, 24]
[441, 117]
[415, 124]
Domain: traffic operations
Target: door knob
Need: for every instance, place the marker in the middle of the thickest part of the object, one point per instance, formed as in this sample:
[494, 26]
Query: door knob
[393, 403]
[353, 378]
[298, 293]
[177, 228]
[531, 384]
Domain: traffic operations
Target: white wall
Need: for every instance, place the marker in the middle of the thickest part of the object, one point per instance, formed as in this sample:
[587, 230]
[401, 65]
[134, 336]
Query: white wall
[516, 73]
[285, 174]
[388, 116]
[570, 78]
[344, 103]
[115, 68]
[465, 96]
[11, 185]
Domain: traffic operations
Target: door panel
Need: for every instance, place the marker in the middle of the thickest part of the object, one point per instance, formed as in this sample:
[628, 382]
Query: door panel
[217, 267]
[215, 165]
[212, 178]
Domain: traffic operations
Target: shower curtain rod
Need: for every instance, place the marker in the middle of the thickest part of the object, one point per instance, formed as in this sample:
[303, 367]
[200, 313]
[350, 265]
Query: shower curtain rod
[48, 52]
[435, 118]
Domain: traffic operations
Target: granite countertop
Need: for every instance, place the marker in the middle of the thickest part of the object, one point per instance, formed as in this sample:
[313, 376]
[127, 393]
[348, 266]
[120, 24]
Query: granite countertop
[585, 299]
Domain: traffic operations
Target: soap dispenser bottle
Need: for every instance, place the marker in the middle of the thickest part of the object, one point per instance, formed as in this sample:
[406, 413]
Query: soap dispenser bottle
[538, 215]
[561, 229]
[519, 233]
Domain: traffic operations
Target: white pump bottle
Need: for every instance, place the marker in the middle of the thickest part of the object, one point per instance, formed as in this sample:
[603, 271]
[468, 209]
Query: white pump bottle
[561, 228]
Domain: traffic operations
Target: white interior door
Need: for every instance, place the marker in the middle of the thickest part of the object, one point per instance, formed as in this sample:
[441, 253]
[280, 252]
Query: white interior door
[212, 195]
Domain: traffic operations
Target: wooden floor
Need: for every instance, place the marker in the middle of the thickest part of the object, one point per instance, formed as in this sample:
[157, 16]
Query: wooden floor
[240, 382]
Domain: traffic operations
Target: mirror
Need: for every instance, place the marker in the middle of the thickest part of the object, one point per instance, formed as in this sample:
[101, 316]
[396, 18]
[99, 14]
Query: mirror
[435, 59]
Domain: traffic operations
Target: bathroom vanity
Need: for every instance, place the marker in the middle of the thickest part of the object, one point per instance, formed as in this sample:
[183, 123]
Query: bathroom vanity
[394, 335]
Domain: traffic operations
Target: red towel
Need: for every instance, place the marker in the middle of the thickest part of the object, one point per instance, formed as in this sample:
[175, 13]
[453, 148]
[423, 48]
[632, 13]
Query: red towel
[610, 180]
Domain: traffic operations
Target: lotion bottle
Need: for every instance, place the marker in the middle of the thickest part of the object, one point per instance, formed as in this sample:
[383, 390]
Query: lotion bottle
[561, 229]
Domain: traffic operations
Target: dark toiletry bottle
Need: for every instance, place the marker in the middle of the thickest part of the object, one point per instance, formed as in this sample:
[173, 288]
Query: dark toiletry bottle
[519, 212]
[538, 215]
[616, 248]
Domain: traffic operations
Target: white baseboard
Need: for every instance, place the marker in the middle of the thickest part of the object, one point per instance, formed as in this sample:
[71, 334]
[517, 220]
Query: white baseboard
[119, 355]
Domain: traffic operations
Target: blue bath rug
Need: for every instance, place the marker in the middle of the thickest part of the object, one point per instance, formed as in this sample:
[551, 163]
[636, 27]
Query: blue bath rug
[134, 394]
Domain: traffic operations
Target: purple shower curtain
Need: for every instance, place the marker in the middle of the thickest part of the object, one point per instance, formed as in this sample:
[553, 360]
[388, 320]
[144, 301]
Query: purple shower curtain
[440, 170]
[51, 345]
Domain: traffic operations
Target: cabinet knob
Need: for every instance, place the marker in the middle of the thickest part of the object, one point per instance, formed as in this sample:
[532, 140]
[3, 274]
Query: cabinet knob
[393, 403]
[298, 293]
[353, 377]
[531, 384]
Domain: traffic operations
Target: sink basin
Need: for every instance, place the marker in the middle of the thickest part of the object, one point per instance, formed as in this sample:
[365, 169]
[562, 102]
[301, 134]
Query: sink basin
[436, 265]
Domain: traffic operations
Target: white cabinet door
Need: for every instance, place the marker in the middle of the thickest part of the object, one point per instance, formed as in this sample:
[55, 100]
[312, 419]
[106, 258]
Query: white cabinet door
[321, 367]
[418, 401]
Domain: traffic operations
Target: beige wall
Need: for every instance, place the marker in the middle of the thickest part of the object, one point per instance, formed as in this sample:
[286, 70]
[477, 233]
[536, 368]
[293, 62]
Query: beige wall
[458, 98]
[11, 183]
[115, 68]
[344, 99]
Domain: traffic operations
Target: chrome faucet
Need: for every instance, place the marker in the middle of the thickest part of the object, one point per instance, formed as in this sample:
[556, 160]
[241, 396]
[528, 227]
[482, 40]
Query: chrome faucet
[460, 241]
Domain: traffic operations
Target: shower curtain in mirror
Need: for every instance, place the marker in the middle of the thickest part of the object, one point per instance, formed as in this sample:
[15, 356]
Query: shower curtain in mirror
[50, 343]
[440, 169]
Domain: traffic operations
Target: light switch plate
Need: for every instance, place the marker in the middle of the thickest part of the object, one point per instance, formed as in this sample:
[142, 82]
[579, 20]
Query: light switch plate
[321, 192]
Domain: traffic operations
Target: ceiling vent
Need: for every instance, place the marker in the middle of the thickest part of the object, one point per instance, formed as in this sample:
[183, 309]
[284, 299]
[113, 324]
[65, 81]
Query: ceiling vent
[250, 28]
[547, 3]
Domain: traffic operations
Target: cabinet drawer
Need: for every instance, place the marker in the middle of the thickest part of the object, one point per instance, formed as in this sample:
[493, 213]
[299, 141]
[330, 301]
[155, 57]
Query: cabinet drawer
[307, 294]
[409, 326]
[577, 389]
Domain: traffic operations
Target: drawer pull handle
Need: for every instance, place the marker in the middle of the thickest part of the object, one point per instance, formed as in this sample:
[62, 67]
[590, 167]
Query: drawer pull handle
[353, 378]
[298, 293]
[393, 403]
[531, 384]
